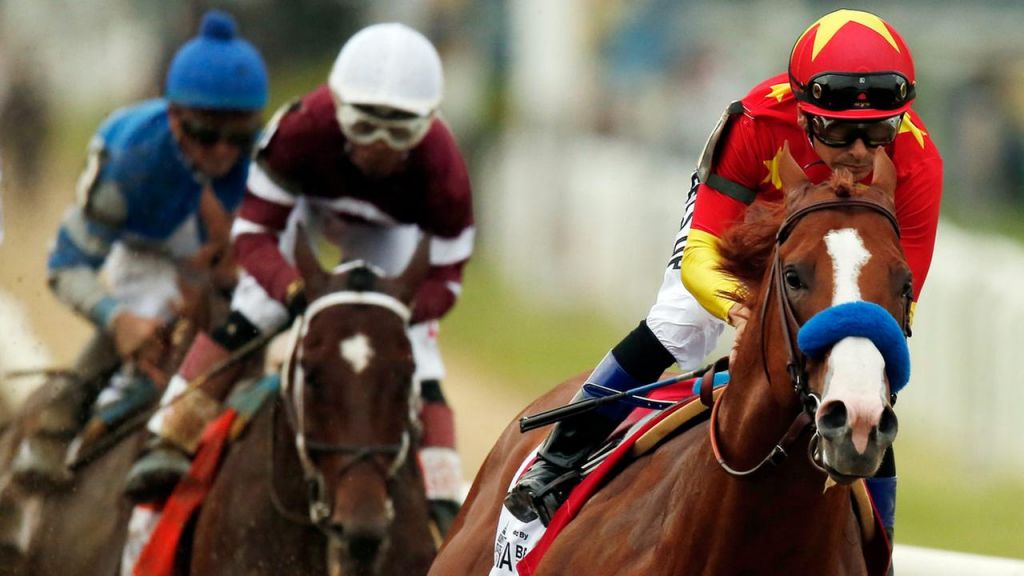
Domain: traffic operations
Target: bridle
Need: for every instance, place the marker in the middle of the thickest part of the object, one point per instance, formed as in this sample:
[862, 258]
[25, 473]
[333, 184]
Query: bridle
[796, 365]
[293, 394]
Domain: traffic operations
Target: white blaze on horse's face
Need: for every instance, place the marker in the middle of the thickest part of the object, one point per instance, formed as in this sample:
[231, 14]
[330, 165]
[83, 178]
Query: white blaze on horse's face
[856, 369]
[356, 350]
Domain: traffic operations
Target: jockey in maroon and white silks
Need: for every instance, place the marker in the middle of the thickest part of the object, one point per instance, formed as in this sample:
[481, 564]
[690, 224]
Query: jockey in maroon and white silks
[847, 95]
[305, 155]
[367, 164]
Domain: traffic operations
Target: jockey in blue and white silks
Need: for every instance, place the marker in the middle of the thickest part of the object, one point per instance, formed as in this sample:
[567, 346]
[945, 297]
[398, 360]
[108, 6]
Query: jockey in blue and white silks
[140, 190]
[161, 180]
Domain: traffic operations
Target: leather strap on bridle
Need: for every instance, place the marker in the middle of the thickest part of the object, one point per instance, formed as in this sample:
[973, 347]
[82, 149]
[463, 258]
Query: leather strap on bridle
[707, 382]
[293, 394]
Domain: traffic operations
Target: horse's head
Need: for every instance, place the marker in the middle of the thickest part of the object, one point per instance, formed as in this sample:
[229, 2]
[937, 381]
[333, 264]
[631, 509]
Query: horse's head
[835, 273]
[349, 393]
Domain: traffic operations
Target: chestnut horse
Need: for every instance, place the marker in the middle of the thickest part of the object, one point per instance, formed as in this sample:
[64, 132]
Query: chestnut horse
[326, 480]
[695, 505]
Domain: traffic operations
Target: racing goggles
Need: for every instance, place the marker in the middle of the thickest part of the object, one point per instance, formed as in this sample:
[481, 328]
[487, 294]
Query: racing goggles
[839, 92]
[208, 136]
[400, 133]
[836, 133]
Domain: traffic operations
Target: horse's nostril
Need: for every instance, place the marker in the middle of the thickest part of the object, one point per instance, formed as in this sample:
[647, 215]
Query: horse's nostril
[888, 424]
[336, 529]
[364, 547]
[832, 418]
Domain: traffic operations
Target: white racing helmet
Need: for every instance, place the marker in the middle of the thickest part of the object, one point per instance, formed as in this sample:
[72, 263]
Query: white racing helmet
[388, 65]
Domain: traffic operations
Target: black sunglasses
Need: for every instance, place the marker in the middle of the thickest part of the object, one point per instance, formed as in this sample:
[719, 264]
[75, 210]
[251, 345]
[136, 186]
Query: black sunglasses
[208, 136]
[838, 92]
[836, 133]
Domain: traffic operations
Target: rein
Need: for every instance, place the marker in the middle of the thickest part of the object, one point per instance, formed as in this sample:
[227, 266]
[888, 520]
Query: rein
[293, 393]
[796, 365]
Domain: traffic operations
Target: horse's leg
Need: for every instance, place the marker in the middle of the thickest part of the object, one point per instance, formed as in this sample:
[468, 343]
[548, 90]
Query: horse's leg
[469, 548]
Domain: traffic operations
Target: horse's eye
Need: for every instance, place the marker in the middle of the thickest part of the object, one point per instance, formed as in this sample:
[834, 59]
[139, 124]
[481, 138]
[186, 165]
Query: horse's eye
[793, 281]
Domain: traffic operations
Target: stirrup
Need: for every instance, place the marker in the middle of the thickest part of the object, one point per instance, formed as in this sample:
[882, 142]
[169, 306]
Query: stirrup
[527, 505]
[154, 476]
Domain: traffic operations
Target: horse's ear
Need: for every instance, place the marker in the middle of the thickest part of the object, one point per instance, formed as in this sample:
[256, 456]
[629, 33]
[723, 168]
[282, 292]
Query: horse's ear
[309, 267]
[790, 173]
[884, 173]
[405, 285]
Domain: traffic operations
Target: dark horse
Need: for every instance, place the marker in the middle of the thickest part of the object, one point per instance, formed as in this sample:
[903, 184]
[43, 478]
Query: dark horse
[687, 507]
[82, 529]
[326, 479]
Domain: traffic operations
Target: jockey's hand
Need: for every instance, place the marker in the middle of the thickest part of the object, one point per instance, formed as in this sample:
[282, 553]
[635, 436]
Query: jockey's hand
[217, 262]
[738, 316]
[131, 332]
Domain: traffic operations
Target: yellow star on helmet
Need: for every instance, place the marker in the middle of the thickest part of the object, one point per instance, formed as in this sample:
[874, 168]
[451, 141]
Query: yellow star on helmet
[773, 170]
[907, 125]
[779, 91]
[832, 23]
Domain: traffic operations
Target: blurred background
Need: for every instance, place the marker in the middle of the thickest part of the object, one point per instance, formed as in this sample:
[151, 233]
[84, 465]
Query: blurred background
[581, 121]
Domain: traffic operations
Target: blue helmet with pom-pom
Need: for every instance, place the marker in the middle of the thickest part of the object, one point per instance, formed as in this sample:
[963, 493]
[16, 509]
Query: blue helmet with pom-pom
[217, 70]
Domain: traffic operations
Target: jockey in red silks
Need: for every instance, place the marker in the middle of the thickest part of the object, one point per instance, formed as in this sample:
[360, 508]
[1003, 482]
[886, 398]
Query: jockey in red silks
[847, 94]
[367, 161]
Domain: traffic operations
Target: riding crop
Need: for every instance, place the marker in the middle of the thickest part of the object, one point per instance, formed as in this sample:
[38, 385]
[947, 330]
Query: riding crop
[632, 396]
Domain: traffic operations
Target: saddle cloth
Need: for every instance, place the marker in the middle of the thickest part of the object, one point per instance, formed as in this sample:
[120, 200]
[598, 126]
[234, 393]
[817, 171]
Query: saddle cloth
[155, 533]
[519, 546]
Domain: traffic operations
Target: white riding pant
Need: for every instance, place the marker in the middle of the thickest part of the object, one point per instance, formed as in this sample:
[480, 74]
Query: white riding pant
[681, 324]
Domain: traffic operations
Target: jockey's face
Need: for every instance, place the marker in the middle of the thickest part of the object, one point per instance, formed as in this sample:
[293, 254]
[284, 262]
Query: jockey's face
[857, 157]
[213, 141]
[376, 160]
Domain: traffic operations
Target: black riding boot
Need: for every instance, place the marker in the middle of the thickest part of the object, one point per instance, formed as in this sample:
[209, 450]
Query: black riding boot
[638, 359]
[546, 485]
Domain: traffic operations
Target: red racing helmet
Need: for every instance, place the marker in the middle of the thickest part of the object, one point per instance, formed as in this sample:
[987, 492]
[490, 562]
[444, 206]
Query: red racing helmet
[852, 64]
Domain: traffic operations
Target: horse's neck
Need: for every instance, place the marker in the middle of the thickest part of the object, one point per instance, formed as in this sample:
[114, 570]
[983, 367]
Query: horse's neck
[757, 408]
[756, 412]
[287, 475]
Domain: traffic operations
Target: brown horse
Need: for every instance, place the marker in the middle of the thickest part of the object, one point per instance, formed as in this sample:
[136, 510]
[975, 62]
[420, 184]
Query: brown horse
[326, 480]
[709, 501]
[82, 529]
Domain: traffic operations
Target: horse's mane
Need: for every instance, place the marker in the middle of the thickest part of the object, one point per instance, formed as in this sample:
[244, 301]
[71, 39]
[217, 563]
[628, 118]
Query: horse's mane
[747, 247]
